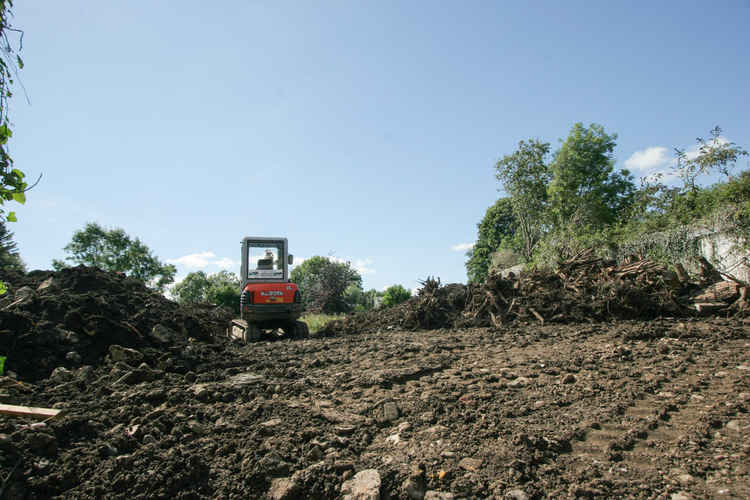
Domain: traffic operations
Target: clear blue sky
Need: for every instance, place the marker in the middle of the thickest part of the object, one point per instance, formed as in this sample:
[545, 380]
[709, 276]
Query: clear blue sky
[367, 130]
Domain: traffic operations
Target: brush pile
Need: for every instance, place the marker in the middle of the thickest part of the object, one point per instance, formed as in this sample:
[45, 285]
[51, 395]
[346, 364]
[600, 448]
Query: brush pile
[583, 288]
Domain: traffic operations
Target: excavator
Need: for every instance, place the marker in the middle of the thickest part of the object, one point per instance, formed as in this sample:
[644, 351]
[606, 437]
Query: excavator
[270, 304]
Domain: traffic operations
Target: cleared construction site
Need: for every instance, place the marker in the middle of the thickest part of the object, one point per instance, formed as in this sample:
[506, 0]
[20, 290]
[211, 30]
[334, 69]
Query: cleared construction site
[592, 381]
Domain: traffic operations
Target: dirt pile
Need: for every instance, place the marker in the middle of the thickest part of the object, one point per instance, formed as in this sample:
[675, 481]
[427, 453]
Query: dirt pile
[70, 318]
[582, 289]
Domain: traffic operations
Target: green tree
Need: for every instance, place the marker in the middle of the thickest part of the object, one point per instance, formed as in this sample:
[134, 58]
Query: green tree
[357, 299]
[193, 289]
[496, 230]
[13, 187]
[222, 288]
[525, 177]
[360, 300]
[585, 191]
[10, 260]
[324, 282]
[716, 154]
[395, 294]
[656, 206]
[12, 184]
[114, 250]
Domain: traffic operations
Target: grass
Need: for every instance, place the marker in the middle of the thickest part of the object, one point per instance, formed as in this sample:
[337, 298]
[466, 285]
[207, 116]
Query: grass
[317, 321]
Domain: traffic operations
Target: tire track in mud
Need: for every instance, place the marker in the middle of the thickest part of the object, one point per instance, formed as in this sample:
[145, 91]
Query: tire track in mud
[642, 443]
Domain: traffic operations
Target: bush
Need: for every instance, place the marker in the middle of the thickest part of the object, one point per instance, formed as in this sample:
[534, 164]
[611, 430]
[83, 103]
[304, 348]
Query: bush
[324, 283]
[222, 289]
[395, 295]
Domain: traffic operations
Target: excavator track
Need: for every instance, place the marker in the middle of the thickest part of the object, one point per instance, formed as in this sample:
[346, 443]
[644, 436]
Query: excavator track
[249, 332]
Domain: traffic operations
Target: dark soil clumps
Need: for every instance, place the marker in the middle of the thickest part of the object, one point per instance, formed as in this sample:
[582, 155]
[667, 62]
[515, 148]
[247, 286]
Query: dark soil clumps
[71, 317]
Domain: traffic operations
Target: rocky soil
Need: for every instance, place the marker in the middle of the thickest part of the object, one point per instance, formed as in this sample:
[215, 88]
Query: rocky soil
[596, 409]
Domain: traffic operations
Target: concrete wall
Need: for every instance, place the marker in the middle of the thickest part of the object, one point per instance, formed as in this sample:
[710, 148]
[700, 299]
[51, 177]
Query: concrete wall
[719, 249]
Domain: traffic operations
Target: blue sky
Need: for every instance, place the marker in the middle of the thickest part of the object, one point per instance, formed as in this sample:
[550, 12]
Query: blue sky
[363, 130]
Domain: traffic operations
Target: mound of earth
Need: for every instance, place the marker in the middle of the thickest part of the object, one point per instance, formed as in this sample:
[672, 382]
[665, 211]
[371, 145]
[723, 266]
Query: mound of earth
[70, 318]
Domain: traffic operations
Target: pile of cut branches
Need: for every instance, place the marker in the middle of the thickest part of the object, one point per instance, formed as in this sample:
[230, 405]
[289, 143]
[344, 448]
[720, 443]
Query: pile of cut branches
[583, 288]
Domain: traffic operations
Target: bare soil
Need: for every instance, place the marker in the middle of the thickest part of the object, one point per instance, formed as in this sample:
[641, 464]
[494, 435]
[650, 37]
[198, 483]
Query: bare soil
[635, 409]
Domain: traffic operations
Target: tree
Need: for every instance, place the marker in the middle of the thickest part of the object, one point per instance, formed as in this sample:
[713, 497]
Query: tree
[114, 250]
[525, 177]
[193, 289]
[222, 288]
[323, 282]
[9, 258]
[395, 295]
[715, 154]
[360, 300]
[12, 184]
[585, 191]
[496, 230]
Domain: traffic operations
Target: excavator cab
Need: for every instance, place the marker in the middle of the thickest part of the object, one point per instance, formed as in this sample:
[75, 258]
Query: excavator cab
[269, 301]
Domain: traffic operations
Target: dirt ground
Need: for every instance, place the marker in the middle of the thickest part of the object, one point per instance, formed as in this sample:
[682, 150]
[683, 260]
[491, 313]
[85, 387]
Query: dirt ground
[632, 409]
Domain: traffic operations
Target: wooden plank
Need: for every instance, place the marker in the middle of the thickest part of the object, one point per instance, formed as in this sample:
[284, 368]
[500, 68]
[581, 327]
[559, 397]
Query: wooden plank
[708, 306]
[28, 411]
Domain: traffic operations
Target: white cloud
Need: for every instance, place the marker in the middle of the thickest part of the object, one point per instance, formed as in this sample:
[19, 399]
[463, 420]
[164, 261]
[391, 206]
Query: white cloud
[199, 260]
[363, 266]
[648, 159]
[656, 160]
[227, 263]
[202, 260]
[462, 247]
[297, 261]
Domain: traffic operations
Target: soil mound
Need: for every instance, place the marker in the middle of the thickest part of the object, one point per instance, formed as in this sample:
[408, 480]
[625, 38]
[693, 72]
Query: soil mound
[71, 317]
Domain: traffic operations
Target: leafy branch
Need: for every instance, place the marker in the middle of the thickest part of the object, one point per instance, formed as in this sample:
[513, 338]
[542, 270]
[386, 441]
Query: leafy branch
[12, 180]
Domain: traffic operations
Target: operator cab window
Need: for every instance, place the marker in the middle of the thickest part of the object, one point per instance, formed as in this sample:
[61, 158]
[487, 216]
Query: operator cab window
[264, 261]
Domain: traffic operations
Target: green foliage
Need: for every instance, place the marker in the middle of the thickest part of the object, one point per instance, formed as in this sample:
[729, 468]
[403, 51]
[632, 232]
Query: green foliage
[567, 240]
[496, 230]
[12, 184]
[222, 288]
[525, 177]
[360, 300]
[713, 155]
[660, 222]
[664, 220]
[9, 258]
[579, 200]
[316, 322]
[504, 258]
[114, 250]
[395, 294]
[324, 283]
[585, 189]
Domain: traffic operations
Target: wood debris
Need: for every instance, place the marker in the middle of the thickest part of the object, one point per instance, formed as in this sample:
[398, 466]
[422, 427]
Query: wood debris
[28, 411]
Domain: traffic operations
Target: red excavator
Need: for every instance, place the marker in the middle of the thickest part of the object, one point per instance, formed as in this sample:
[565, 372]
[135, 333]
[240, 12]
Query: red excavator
[269, 301]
